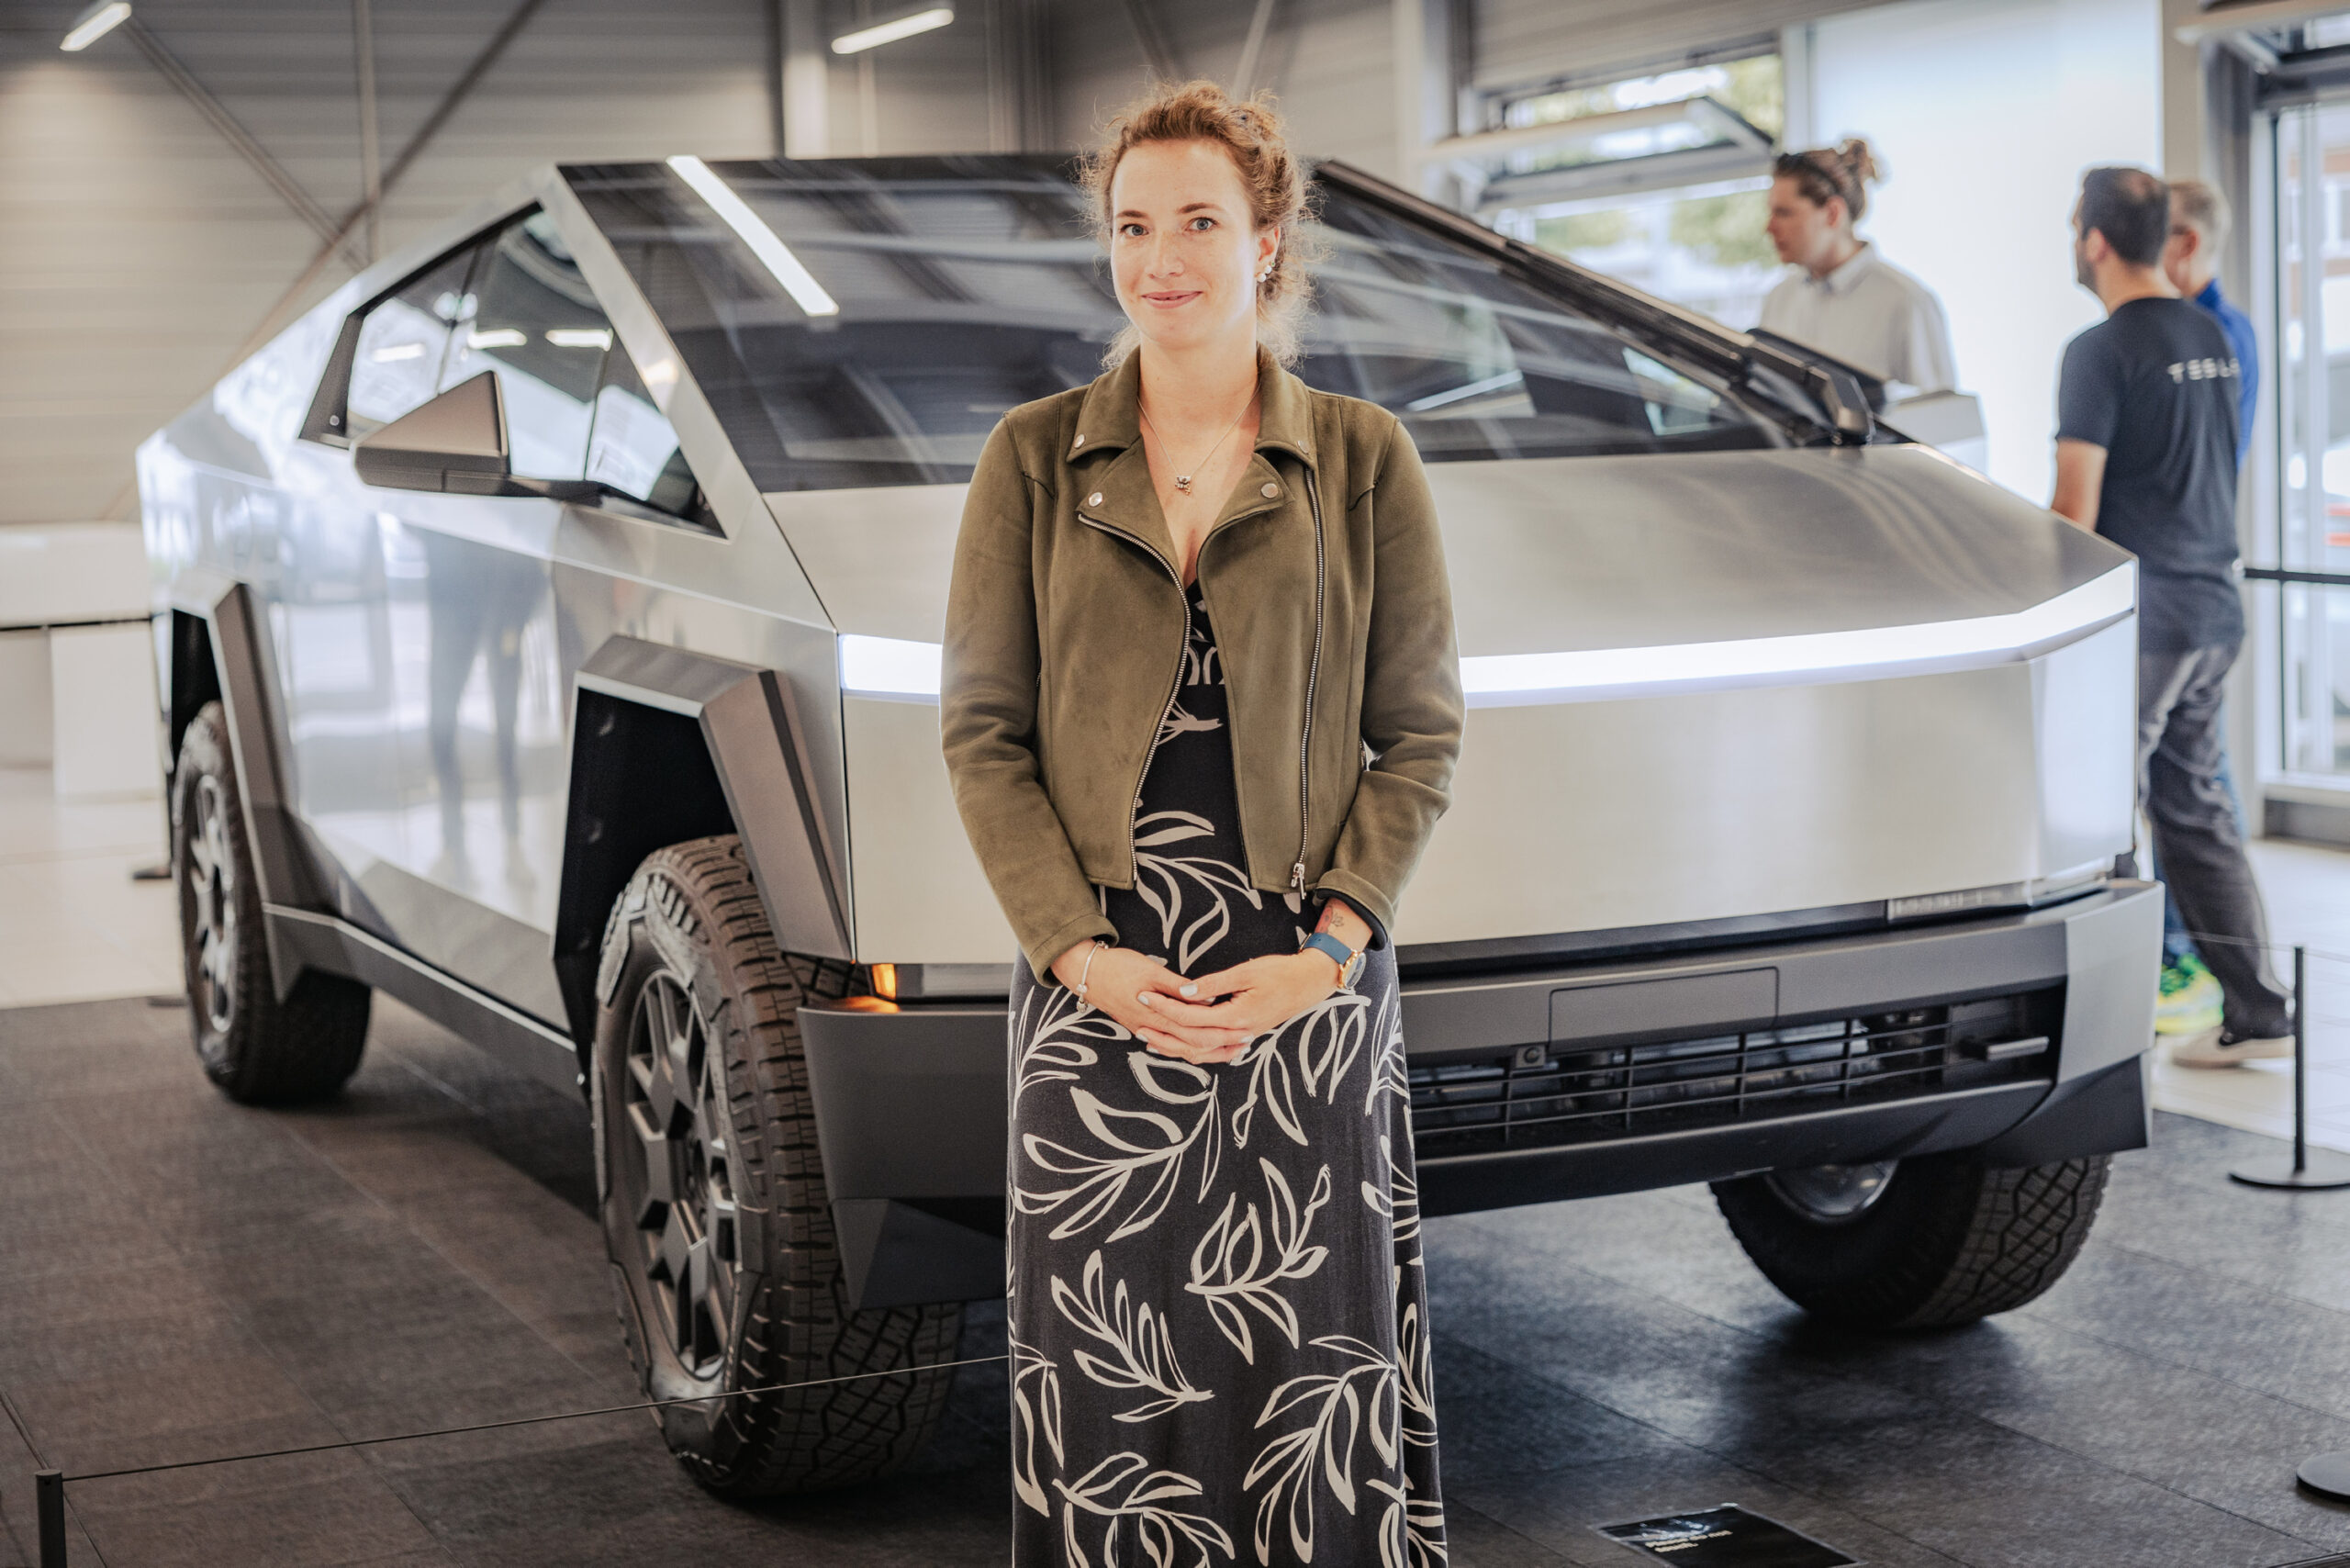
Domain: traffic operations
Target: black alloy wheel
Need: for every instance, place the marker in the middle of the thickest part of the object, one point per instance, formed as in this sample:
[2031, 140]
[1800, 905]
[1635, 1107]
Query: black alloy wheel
[260, 1048]
[724, 1266]
[675, 1178]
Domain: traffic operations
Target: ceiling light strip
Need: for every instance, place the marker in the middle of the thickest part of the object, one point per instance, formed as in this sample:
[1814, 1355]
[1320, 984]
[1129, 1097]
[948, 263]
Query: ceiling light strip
[891, 31]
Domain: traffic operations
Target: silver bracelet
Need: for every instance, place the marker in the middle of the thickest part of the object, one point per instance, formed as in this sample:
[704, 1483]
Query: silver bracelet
[1088, 969]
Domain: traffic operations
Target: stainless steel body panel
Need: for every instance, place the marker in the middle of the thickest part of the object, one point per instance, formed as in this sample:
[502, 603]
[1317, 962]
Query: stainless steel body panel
[1836, 787]
[401, 624]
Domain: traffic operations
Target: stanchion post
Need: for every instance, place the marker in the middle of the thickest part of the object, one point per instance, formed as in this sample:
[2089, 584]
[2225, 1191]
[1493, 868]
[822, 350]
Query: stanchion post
[49, 1504]
[2306, 1174]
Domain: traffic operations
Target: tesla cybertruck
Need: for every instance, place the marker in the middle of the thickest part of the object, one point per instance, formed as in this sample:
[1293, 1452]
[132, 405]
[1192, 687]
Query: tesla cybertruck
[549, 625]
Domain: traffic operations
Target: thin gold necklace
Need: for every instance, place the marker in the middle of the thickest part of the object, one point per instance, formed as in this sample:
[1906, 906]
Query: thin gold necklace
[1183, 481]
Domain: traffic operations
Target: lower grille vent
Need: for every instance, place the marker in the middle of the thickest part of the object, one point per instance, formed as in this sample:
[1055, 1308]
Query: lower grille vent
[1543, 1095]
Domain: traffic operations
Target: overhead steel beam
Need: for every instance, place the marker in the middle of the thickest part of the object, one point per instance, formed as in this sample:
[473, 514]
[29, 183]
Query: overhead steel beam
[340, 233]
[2235, 15]
[1252, 51]
[449, 105]
[242, 141]
[1157, 54]
[370, 171]
[807, 79]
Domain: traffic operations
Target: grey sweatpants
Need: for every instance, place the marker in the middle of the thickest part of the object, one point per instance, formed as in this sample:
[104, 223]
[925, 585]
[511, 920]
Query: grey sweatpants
[2180, 752]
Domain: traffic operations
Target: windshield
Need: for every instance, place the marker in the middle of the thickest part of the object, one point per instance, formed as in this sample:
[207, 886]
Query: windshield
[911, 302]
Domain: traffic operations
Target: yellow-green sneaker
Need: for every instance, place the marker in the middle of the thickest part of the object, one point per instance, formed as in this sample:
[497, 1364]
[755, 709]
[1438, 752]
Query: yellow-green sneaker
[2190, 999]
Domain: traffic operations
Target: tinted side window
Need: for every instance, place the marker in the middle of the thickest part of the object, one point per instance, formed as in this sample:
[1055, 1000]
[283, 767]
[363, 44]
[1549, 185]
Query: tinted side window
[634, 448]
[535, 323]
[402, 340]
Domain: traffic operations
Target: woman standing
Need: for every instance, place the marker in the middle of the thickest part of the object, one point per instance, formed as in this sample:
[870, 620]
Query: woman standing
[1201, 710]
[1844, 299]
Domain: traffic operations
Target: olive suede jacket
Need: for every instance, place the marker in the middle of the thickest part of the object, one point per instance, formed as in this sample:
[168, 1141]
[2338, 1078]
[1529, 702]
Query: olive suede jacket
[1324, 580]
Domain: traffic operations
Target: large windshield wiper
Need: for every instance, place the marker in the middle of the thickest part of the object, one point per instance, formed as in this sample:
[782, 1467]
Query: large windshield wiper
[1825, 397]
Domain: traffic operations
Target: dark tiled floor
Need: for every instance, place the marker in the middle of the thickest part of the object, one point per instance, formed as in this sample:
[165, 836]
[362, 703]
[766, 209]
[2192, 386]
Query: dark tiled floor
[181, 1277]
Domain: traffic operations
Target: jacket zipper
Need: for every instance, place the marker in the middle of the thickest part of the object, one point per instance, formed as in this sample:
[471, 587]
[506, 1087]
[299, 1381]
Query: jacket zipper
[1174, 685]
[1183, 649]
[1313, 676]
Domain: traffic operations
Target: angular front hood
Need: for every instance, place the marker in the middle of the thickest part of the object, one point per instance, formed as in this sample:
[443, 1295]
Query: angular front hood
[1695, 569]
[1596, 577]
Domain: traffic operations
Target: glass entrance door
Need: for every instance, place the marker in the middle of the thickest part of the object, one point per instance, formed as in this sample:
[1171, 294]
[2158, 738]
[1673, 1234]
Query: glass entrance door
[2302, 531]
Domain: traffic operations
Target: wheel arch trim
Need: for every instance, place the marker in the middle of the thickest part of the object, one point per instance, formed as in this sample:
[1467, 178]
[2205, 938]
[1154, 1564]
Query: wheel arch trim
[244, 678]
[747, 720]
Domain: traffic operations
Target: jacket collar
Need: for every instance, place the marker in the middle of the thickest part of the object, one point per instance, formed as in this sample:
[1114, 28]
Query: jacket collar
[1118, 492]
[1110, 418]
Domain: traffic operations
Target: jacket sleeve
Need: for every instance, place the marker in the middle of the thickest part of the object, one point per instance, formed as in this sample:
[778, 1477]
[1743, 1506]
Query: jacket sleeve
[1412, 710]
[986, 717]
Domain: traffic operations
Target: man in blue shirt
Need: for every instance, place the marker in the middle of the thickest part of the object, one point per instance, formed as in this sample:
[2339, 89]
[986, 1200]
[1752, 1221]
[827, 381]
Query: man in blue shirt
[2199, 227]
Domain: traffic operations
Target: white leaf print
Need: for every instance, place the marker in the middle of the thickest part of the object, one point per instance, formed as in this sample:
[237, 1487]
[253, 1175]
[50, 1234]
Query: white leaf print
[1142, 1349]
[1326, 1038]
[1230, 1270]
[1388, 1074]
[1410, 1531]
[1062, 1036]
[1111, 1492]
[1399, 1203]
[1170, 884]
[1031, 1417]
[1139, 1146]
[1287, 1463]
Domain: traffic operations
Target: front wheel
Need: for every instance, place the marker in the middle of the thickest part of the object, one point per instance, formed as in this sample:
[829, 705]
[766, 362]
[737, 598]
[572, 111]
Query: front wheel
[1926, 1243]
[712, 1195]
[260, 1050]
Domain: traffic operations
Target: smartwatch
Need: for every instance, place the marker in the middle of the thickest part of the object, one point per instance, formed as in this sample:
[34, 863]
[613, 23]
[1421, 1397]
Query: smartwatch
[1349, 959]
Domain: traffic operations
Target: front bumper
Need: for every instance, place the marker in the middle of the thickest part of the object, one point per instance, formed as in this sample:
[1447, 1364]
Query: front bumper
[2020, 1035]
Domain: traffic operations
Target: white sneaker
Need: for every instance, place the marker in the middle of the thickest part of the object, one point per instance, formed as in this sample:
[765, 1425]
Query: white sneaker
[2213, 1048]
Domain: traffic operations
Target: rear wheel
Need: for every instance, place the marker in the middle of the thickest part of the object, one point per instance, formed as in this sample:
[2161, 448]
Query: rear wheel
[262, 1050]
[1922, 1243]
[712, 1192]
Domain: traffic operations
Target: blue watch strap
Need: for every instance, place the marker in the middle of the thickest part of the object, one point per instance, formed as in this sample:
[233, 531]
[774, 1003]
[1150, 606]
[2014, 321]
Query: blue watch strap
[1339, 952]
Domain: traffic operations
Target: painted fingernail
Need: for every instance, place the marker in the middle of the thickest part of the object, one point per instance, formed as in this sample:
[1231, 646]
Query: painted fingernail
[1144, 998]
[1189, 989]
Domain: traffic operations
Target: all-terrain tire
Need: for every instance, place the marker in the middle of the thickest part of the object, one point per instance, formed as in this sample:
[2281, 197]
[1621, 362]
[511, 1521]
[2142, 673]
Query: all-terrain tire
[261, 1050]
[1948, 1242]
[712, 1187]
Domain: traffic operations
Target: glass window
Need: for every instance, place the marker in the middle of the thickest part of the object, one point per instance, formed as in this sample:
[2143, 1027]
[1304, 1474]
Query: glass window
[402, 340]
[965, 286]
[633, 448]
[532, 319]
[1662, 181]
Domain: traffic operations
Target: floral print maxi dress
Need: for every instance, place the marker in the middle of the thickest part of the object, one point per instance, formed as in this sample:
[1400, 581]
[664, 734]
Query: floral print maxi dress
[1217, 1312]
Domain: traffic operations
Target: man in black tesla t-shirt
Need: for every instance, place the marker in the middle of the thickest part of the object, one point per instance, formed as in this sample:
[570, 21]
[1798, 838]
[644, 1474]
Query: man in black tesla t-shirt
[2146, 455]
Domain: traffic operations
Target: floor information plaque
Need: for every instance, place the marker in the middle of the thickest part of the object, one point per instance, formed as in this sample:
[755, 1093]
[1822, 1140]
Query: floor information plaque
[1726, 1537]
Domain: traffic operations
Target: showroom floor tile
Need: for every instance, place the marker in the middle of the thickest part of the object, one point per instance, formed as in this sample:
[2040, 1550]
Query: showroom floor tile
[185, 1277]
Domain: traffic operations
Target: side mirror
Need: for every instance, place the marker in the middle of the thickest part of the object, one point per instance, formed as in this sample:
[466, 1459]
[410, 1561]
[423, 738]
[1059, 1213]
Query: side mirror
[454, 443]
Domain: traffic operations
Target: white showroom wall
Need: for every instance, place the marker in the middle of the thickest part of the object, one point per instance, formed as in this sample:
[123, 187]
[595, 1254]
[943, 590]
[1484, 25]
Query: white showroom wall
[1984, 112]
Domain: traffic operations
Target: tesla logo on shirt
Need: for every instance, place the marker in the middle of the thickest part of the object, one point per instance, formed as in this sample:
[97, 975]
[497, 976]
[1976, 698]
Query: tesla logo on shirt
[2204, 370]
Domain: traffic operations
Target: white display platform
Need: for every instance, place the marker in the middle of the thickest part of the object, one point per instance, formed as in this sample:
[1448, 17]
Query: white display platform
[73, 609]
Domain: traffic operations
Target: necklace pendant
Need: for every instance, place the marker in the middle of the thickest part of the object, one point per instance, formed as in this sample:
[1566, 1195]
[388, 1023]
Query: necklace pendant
[1183, 483]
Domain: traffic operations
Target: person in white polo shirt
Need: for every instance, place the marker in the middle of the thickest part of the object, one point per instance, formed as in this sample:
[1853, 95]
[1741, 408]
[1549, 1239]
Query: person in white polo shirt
[1843, 298]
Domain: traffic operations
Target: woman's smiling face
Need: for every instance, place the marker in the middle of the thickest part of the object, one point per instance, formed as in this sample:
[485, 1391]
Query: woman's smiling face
[1183, 252]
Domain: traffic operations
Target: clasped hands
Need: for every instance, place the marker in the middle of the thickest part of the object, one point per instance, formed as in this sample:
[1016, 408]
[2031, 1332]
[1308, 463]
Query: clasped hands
[1209, 1020]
